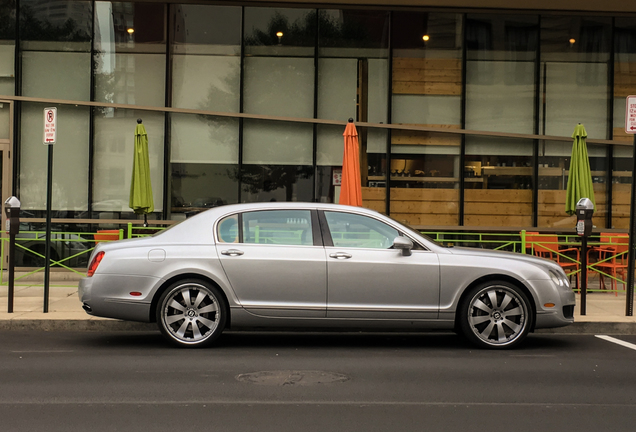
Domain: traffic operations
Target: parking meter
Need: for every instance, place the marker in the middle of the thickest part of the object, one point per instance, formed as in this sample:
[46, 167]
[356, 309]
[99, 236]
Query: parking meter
[584, 212]
[12, 212]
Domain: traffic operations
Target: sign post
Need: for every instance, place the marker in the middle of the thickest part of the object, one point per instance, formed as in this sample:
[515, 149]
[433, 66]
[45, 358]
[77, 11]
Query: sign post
[630, 128]
[50, 137]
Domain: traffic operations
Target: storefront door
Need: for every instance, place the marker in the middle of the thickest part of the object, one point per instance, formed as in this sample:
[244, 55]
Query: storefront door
[6, 141]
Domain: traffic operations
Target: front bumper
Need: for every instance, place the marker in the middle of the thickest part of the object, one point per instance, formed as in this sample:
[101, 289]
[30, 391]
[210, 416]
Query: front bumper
[562, 314]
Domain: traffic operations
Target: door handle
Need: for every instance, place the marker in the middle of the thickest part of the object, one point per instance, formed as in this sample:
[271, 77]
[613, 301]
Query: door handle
[340, 255]
[232, 252]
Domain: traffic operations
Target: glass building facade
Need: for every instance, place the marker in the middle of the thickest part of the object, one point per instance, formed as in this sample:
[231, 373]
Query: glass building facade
[247, 103]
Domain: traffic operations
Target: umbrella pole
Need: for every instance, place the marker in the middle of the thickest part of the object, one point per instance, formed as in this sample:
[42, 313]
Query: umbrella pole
[145, 220]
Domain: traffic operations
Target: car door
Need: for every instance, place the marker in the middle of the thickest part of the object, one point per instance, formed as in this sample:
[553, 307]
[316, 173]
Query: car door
[275, 262]
[366, 278]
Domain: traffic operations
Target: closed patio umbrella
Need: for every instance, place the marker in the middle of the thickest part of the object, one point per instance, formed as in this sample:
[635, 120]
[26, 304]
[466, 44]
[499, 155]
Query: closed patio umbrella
[580, 177]
[140, 188]
[351, 189]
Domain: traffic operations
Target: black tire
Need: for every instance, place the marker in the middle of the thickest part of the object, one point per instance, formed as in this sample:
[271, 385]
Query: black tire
[495, 315]
[192, 313]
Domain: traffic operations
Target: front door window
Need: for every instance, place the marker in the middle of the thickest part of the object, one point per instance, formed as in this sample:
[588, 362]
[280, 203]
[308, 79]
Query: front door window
[355, 231]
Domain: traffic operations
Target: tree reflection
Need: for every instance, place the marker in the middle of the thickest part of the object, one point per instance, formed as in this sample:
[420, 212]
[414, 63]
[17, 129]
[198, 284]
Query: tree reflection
[269, 178]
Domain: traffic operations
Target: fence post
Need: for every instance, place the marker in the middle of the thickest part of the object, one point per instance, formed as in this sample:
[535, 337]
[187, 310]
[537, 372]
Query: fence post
[129, 230]
[523, 241]
[121, 234]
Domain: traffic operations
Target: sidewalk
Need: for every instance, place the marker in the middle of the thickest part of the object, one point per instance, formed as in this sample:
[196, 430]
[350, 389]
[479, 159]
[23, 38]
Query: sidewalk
[65, 311]
[605, 313]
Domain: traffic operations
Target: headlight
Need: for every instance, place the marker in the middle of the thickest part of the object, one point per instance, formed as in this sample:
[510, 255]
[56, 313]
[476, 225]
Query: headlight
[555, 278]
[559, 279]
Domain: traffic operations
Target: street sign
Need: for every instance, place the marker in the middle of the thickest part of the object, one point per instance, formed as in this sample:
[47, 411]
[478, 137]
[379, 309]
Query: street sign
[630, 115]
[50, 125]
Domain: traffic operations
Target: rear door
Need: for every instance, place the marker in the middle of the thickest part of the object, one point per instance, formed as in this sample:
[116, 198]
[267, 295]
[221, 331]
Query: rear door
[275, 262]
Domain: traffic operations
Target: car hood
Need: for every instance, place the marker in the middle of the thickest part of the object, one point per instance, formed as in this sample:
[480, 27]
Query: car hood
[530, 259]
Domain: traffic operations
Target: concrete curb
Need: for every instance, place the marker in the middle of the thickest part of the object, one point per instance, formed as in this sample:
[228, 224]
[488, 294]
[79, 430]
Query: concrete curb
[106, 325]
[617, 328]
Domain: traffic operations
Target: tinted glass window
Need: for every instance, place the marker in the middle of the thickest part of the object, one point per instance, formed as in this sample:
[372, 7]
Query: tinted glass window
[285, 227]
[349, 230]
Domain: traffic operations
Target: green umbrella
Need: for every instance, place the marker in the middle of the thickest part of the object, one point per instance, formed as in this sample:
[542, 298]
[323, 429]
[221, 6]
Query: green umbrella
[140, 188]
[580, 178]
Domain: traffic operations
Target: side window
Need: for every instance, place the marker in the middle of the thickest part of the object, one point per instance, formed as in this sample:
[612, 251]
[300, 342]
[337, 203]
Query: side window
[228, 230]
[281, 227]
[355, 231]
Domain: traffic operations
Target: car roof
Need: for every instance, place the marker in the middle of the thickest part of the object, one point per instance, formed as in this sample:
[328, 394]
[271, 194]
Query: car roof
[274, 205]
[201, 222]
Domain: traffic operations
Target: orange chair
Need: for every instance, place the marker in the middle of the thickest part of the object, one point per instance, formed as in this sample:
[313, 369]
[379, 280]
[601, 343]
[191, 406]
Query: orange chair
[605, 239]
[547, 246]
[106, 235]
[616, 256]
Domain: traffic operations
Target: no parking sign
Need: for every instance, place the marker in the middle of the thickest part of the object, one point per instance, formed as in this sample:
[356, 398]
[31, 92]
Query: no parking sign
[50, 125]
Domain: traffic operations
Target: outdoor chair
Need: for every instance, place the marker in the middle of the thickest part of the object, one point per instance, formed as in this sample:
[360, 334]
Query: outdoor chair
[602, 249]
[106, 235]
[613, 259]
[547, 246]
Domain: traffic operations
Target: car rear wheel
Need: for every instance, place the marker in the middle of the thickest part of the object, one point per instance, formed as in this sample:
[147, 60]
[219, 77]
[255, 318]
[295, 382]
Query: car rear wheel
[191, 313]
[496, 315]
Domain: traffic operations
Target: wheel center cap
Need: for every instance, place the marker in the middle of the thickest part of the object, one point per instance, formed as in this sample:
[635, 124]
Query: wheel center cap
[497, 315]
[191, 313]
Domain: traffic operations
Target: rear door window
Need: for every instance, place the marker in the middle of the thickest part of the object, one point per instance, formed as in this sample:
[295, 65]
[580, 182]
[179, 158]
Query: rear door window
[278, 227]
[228, 230]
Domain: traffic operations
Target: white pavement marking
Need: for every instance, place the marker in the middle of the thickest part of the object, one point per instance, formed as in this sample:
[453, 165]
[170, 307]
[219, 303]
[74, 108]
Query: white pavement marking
[617, 341]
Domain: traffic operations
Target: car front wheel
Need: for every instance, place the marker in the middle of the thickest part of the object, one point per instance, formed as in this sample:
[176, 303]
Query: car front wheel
[191, 313]
[496, 314]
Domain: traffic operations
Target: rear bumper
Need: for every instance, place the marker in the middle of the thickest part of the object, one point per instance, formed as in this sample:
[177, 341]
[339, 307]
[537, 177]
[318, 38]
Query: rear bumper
[103, 299]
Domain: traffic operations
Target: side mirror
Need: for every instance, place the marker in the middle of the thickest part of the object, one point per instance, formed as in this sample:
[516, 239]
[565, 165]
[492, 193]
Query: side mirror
[403, 243]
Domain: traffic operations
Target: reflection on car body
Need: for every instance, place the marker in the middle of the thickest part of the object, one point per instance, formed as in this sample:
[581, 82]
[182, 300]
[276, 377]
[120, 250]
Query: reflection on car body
[315, 265]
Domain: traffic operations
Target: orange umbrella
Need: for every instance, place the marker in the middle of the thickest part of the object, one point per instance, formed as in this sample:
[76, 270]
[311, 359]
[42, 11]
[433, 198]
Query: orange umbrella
[351, 189]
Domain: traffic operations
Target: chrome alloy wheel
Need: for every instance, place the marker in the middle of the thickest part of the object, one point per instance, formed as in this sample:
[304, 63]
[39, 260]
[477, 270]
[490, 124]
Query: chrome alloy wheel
[498, 315]
[190, 314]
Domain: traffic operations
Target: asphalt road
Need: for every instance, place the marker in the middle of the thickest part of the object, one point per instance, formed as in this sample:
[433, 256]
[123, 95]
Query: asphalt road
[57, 381]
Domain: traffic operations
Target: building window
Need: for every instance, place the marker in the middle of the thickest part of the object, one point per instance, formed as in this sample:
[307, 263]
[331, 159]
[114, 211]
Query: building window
[55, 55]
[427, 88]
[500, 96]
[353, 71]
[206, 63]
[279, 81]
[575, 53]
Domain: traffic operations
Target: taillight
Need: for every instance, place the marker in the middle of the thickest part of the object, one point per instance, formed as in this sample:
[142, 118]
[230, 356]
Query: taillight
[96, 260]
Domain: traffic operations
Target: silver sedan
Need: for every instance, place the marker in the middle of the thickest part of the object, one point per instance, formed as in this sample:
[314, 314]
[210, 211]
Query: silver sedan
[309, 265]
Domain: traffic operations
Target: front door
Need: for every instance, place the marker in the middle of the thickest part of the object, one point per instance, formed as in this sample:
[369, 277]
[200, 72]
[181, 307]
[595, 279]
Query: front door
[367, 278]
[275, 263]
